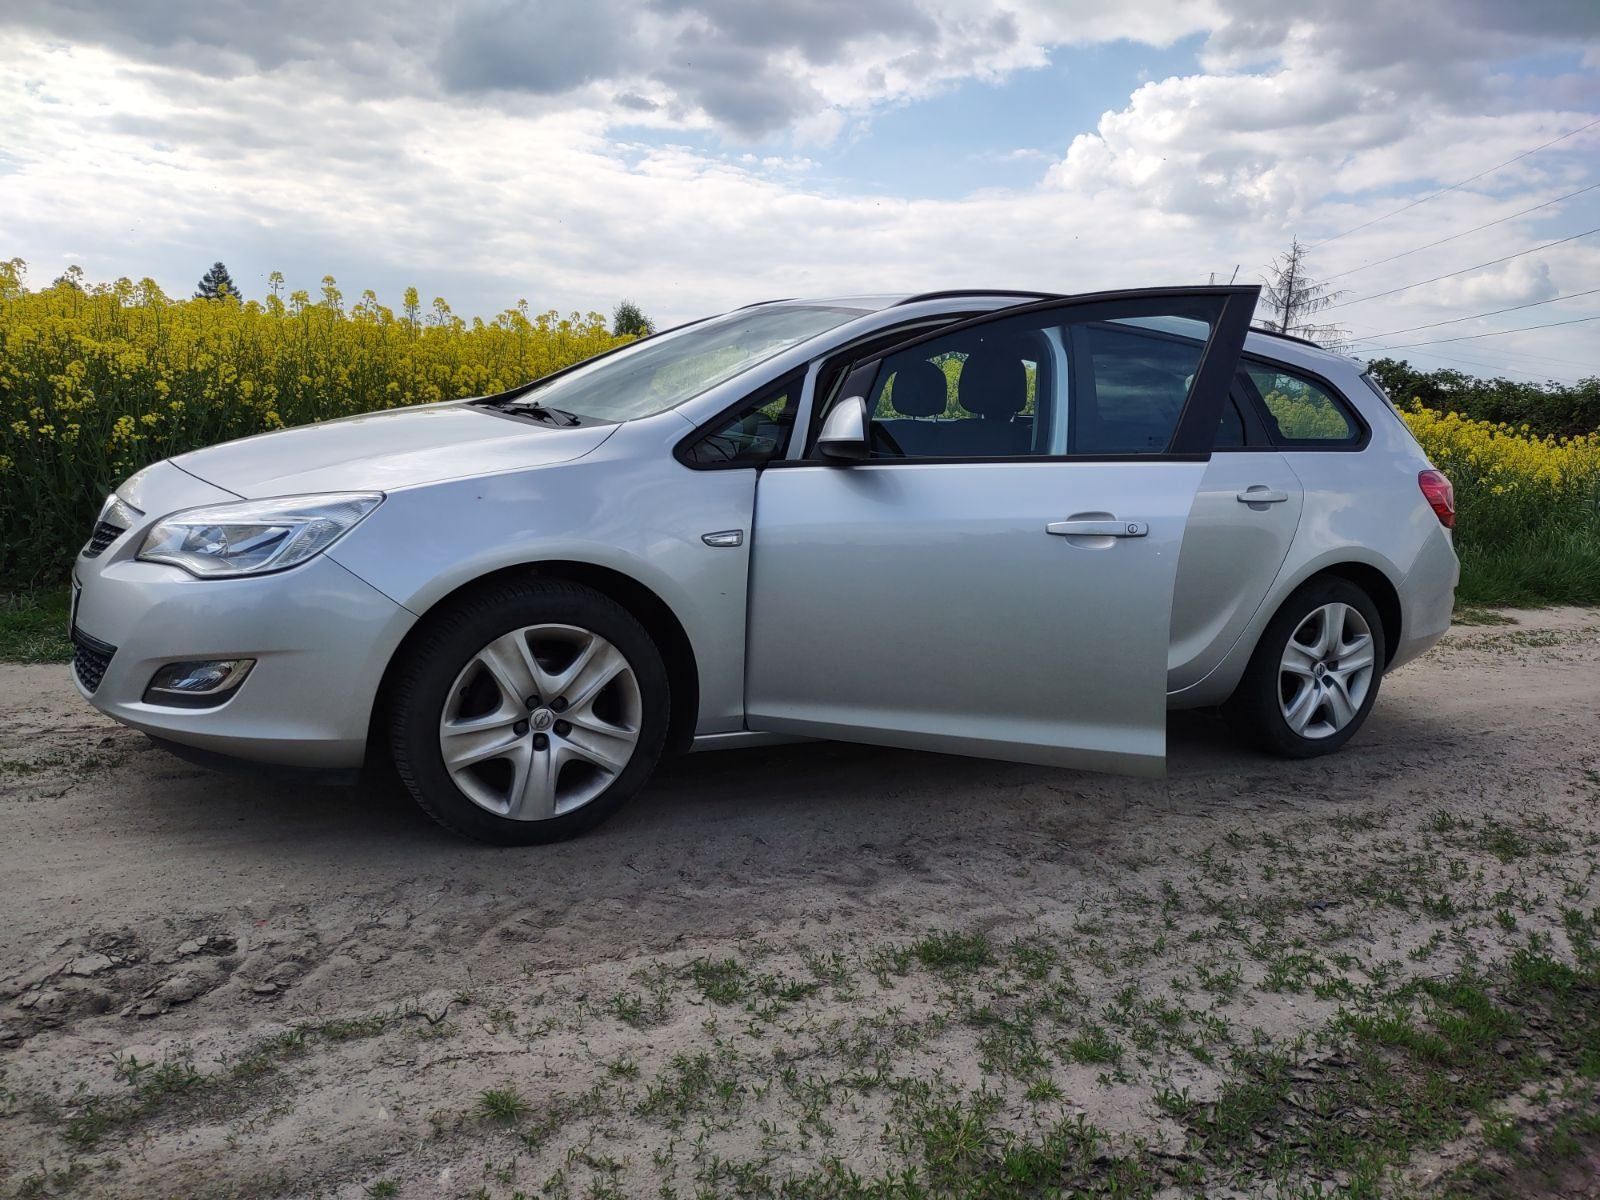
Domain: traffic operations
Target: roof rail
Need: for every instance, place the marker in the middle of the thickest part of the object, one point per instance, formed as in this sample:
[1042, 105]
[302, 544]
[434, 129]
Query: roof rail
[759, 303]
[955, 293]
[1289, 337]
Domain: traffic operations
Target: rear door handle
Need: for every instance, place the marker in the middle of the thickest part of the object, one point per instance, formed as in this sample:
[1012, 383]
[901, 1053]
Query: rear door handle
[1261, 494]
[1098, 528]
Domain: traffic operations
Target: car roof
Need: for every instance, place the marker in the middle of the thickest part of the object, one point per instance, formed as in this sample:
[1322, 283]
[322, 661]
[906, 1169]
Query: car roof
[1264, 342]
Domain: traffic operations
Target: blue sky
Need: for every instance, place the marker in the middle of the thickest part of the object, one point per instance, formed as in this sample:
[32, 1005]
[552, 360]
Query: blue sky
[693, 155]
[972, 134]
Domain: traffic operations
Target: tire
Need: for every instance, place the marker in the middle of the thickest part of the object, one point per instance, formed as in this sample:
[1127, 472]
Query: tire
[548, 767]
[1280, 687]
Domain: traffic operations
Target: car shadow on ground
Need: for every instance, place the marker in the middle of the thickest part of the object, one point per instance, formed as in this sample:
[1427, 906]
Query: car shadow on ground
[734, 790]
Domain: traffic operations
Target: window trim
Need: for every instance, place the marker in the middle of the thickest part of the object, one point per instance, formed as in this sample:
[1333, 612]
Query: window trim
[1254, 400]
[792, 381]
[1188, 430]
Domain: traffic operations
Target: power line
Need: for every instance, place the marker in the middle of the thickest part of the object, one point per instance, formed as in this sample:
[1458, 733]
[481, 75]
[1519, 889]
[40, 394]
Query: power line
[1451, 357]
[1371, 337]
[1545, 359]
[1460, 183]
[1464, 270]
[1462, 234]
[1497, 333]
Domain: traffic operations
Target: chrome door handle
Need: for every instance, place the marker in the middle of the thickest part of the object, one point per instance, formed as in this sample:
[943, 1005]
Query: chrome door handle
[1098, 528]
[1260, 494]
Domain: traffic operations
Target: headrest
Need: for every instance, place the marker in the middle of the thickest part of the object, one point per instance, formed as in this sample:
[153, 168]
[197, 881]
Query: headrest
[921, 389]
[993, 383]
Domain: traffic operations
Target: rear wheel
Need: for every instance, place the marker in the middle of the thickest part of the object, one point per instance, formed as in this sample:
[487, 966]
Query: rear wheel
[529, 712]
[1315, 672]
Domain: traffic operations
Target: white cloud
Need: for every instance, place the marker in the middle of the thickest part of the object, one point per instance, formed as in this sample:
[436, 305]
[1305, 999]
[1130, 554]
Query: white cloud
[367, 147]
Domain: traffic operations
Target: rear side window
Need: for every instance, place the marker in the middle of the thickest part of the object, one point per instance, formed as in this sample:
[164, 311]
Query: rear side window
[1297, 411]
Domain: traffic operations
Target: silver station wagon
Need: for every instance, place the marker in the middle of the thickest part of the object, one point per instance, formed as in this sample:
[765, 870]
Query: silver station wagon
[1003, 524]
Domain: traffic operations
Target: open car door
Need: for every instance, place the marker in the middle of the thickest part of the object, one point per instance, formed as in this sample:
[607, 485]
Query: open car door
[992, 572]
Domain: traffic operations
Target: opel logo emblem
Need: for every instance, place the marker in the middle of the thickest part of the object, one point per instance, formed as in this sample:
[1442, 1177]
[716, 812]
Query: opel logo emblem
[543, 719]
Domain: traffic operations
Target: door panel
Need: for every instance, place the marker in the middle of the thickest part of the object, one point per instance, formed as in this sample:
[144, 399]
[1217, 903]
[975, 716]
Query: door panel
[997, 578]
[927, 606]
[1231, 555]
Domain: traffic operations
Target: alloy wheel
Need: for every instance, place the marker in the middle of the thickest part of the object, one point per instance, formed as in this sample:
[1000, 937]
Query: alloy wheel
[540, 722]
[1326, 670]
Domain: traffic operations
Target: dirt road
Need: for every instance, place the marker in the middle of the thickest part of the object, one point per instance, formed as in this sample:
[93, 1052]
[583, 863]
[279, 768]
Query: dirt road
[220, 985]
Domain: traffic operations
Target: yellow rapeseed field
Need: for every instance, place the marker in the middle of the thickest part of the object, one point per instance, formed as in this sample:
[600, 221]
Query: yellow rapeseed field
[95, 382]
[1528, 508]
[1509, 467]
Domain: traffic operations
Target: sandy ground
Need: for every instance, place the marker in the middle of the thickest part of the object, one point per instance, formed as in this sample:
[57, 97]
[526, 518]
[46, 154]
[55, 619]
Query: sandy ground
[158, 910]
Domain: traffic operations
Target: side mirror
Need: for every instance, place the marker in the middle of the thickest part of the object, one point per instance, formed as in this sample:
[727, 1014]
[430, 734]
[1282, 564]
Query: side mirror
[844, 431]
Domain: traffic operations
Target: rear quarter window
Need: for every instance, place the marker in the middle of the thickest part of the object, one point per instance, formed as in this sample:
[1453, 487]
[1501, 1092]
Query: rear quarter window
[1299, 412]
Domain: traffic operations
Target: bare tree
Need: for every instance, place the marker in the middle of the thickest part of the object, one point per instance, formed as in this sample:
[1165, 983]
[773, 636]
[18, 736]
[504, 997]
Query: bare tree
[1291, 296]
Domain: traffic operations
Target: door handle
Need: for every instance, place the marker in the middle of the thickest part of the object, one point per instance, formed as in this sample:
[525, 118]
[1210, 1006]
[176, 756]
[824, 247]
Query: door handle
[1098, 528]
[1261, 494]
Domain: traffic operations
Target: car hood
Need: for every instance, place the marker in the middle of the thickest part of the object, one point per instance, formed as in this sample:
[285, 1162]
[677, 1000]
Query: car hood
[381, 451]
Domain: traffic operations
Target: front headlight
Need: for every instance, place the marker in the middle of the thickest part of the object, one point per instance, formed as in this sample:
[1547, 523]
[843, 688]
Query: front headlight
[255, 536]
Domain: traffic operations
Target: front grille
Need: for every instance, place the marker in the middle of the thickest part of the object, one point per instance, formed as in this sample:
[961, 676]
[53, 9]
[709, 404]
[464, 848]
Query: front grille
[90, 658]
[104, 534]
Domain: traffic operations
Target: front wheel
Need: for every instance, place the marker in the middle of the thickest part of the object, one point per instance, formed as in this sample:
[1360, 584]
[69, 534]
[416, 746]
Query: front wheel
[1315, 672]
[529, 712]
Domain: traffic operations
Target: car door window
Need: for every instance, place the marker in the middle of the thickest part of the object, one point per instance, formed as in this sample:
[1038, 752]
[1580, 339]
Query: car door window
[1297, 411]
[1136, 381]
[755, 433]
[973, 396]
[1075, 382]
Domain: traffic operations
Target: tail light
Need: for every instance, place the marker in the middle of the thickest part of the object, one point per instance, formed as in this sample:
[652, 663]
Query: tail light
[1440, 495]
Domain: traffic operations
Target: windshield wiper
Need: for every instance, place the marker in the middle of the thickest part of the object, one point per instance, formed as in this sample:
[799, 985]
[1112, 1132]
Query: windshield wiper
[544, 412]
[532, 408]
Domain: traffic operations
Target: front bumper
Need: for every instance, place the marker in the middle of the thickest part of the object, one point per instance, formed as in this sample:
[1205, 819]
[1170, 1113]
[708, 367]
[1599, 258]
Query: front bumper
[321, 638]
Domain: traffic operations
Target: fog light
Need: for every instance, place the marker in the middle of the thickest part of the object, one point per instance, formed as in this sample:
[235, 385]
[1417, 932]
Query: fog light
[197, 684]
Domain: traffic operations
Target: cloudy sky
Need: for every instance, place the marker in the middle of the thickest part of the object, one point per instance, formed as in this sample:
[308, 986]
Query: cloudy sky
[699, 154]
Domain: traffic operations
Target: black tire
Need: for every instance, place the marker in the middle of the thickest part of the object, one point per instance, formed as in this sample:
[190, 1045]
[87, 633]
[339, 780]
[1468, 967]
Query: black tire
[451, 638]
[1255, 710]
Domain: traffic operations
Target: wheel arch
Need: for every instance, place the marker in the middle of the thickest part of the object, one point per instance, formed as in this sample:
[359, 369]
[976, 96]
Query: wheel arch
[1374, 577]
[1385, 597]
[657, 617]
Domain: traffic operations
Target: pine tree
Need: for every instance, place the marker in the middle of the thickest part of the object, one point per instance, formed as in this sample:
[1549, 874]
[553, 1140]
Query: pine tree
[217, 284]
[627, 320]
[1291, 295]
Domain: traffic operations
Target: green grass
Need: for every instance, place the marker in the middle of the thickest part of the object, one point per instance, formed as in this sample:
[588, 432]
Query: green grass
[503, 1105]
[953, 951]
[33, 626]
[1548, 566]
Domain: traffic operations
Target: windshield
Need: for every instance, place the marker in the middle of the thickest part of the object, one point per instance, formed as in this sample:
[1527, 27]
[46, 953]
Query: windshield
[662, 372]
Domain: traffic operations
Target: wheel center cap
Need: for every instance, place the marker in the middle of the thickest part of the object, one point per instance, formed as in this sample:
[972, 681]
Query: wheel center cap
[542, 719]
[1320, 671]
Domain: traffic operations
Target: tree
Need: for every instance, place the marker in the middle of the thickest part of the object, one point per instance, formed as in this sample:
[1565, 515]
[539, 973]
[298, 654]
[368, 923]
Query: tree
[1291, 296]
[217, 284]
[12, 273]
[628, 320]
